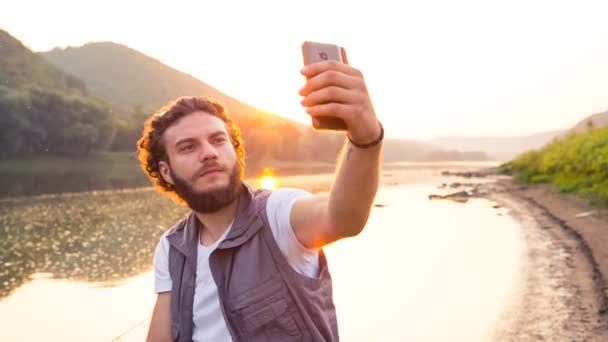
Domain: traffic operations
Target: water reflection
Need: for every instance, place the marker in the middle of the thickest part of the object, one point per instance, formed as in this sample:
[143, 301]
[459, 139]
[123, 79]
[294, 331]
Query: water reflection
[76, 311]
[425, 270]
[101, 236]
[106, 236]
[421, 270]
[94, 237]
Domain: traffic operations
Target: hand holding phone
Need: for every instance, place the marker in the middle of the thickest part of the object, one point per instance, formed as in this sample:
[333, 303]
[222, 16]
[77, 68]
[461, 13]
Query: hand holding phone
[314, 52]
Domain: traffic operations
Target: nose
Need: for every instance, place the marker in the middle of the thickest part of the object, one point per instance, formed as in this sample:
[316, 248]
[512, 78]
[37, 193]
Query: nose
[208, 152]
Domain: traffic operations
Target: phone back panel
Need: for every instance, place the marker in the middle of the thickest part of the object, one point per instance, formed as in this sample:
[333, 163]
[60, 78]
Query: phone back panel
[314, 52]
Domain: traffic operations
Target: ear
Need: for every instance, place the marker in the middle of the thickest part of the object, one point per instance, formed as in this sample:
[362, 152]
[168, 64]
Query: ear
[165, 172]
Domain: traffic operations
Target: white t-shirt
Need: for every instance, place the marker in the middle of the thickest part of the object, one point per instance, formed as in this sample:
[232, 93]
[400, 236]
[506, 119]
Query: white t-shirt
[209, 324]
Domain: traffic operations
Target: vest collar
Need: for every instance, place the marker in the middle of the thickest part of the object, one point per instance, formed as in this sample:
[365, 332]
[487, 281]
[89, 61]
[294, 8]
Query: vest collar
[247, 222]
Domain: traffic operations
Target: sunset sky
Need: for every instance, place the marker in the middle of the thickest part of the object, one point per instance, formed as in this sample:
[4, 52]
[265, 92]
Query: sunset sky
[433, 68]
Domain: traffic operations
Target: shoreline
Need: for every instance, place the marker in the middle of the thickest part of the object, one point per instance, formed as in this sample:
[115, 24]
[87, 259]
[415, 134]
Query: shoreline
[562, 288]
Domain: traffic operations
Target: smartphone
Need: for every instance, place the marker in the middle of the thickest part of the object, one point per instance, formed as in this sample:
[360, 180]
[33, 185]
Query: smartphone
[314, 52]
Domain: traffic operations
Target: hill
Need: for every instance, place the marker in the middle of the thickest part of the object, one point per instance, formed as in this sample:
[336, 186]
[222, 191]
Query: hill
[577, 162]
[507, 148]
[139, 83]
[128, 78]
[497, 148]
[43, 109]
[21, 68]
[598, 120]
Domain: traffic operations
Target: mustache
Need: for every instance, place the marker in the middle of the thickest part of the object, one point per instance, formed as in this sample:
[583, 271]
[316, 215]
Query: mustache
[206, 167]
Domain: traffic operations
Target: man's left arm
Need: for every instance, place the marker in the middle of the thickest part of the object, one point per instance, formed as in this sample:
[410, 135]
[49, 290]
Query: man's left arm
[339, 90]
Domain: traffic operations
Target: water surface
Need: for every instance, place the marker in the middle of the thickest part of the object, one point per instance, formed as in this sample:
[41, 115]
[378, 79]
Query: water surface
[78, 266]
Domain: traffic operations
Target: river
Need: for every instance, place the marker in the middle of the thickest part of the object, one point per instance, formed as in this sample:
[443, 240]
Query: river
[421, 270]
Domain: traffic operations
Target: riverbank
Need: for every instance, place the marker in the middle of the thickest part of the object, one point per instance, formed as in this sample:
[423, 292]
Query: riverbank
[562, 290]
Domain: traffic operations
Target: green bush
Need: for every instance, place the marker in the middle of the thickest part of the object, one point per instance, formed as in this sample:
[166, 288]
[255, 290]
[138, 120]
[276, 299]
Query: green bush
[575, 163]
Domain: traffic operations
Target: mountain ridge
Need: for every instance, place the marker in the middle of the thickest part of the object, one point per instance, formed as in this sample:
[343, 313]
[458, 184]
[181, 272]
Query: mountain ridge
[92, 60]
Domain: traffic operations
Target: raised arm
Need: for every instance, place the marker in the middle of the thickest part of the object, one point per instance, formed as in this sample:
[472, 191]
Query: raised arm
[337, 89]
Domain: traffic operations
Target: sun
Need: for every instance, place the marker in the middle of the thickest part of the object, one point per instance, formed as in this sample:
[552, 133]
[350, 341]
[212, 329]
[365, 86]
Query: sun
[268, 181]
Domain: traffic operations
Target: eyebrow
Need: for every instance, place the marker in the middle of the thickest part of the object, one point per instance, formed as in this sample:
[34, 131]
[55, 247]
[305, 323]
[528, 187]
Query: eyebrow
[217, 134]
[211, 136]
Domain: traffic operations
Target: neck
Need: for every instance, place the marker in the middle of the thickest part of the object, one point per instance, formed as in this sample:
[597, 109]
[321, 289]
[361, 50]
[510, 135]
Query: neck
[215, 224]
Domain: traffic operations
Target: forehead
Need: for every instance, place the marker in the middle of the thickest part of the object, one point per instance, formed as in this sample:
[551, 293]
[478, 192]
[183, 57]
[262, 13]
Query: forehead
[197, 124]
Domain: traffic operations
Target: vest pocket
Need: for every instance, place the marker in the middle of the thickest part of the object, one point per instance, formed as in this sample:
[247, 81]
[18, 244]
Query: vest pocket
[262, 314]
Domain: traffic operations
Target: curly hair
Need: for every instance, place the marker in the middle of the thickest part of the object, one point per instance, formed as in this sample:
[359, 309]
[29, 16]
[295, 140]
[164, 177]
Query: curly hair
[151, 148]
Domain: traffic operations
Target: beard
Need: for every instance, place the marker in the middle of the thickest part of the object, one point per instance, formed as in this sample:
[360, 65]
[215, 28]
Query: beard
[209, 201]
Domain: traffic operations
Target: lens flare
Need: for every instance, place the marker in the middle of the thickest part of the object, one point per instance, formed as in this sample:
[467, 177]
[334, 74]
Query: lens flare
[268, 181]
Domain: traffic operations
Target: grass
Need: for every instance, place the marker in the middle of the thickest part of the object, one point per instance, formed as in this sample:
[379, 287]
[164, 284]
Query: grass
[577, 163]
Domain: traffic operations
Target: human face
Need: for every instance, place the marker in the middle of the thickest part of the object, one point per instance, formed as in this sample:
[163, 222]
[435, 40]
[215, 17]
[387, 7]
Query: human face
[200, 153]
[209, 201]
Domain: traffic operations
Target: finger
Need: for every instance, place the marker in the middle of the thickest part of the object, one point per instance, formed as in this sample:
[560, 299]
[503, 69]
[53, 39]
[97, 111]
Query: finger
[314, 69]
[327, 95]
[338, 110]
[331, 78]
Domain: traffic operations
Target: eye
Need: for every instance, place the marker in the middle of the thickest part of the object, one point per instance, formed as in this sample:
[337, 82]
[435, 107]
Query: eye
[187, 148]
[219, 140]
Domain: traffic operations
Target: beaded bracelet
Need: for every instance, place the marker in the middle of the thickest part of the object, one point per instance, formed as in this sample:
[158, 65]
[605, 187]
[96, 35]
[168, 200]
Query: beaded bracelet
[371, 144]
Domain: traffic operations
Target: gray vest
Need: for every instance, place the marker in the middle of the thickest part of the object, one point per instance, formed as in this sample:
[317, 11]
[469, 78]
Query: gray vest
[261, 296]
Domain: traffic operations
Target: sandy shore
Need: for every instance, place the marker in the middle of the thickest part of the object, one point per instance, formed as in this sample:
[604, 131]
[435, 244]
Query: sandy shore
[561, 293]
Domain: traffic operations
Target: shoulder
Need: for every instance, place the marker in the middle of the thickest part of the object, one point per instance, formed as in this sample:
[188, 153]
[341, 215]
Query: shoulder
[163, 241]
[284, 194]
[177, 226]
[270, 203]
[163, 245]
[284, 198]
[261, 195]
[266, 199]
[279, 205]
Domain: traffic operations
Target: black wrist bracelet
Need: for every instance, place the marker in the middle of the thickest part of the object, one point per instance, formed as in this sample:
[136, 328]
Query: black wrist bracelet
[371, 144]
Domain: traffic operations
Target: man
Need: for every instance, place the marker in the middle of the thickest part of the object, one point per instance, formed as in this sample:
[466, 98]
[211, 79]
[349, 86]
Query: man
[248, 264]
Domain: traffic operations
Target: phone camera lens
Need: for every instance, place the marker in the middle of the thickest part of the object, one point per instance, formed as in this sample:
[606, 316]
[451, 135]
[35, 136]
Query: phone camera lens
[323, 56]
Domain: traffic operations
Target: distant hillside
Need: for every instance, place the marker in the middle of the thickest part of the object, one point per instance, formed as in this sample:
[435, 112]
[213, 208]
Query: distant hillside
[21, 68]
[598, 120]
[137, 82]
[43, 109]
[132, 84]
[129, 78]
[406, 150]
[497, 148]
